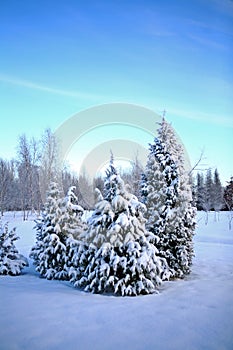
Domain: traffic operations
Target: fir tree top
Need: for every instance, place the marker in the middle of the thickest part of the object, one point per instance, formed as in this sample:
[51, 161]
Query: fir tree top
[118, 217]
[109, 183]
[168, 137]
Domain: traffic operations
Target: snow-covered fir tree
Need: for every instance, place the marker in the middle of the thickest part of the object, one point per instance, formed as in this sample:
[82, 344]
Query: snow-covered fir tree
[162, 189]
[170, 212]
[228, 199]
[74, 227]
[217, 192]
[185, 201]
[143, 187]
[167, 135]
[73, 223]
[49, 252]
[132, 177]
[117, 256]
[11, 261]
[200, 192]
[154, 188]
[110, 187]
[209, 191]
[228, 194]
[57, 231]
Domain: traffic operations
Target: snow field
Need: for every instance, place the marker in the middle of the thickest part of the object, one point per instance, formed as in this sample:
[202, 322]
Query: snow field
[194, 313]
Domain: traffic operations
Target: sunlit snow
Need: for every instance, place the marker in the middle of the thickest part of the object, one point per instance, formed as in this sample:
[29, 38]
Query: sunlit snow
[195, 313]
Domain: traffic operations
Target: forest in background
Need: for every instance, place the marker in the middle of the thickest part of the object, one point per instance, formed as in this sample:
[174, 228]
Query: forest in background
[24, 181]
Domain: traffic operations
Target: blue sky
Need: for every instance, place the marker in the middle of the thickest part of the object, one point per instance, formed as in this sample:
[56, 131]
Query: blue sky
[60, 57]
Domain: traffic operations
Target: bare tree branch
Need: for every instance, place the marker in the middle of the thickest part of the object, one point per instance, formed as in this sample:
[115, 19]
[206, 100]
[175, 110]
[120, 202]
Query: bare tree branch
[198, 163]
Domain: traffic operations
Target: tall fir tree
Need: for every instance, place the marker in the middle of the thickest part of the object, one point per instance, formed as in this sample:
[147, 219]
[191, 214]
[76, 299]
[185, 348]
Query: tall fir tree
[177, 153]
[187, 209]
[11, 261]
[117, 256]
[154, 192]
[170, 213]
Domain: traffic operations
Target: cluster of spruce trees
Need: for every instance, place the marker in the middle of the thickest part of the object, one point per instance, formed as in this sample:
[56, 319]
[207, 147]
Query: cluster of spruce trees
[209, 192]
[210, 195]
[125, 247]
[129, 244]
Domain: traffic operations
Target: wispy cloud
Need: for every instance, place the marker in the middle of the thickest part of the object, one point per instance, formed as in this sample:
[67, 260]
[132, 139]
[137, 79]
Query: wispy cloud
[48, 89]
[202, 116]
[225, 29]
[207, 42]
[226, 6]
[160, 32]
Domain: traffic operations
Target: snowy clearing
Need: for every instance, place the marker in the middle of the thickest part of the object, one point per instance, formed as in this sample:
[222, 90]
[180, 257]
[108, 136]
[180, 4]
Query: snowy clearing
[195, 313]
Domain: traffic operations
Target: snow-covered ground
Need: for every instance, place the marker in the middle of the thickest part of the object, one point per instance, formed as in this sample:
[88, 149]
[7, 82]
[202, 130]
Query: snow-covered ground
[195, 313]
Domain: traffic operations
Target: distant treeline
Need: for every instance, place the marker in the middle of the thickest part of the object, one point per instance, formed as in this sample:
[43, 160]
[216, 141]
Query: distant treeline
[25, 180]
[209, 194]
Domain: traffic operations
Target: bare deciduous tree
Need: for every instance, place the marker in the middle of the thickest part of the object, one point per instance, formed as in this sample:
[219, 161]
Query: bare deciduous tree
[6, 184]
[50, 167]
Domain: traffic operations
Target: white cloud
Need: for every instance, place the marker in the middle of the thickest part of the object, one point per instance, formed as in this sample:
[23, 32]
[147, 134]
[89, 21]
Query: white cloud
[35, 86]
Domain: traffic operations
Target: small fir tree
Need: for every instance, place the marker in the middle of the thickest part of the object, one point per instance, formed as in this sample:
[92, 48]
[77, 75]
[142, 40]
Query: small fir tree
[74, 227]
[11, 262]
[117, 256]
[57, 230]
[49, 252]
